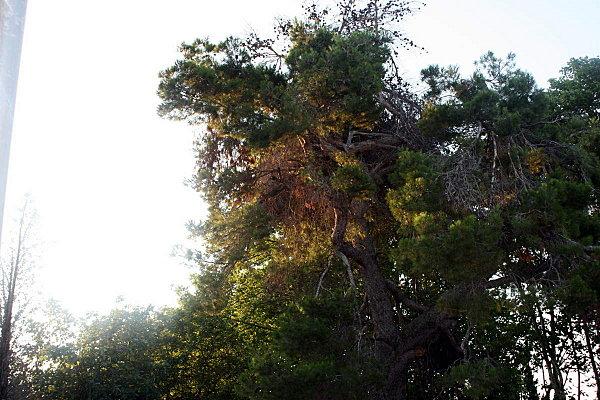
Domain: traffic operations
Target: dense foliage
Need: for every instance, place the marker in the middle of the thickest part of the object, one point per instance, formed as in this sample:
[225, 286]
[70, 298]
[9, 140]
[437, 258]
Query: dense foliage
[366, 242]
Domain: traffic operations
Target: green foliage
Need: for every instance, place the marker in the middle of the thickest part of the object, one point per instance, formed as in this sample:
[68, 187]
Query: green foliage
[113, 357]
[231, 243]
[496, 95]
[330, 81]
[416, 187]
[576, 91]
[203, 354]
[581, 292]
[559, 205]
[338, 76]
[221, 83]
[482, 380]
[460, 250]
[310, 356]
[353, 180]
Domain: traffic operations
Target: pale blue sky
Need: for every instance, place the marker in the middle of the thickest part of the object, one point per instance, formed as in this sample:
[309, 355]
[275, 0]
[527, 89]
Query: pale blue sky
[544, 34]
[107, 174]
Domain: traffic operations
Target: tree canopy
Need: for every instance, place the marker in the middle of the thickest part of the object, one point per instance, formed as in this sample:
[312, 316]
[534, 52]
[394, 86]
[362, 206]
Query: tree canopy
[447, 236]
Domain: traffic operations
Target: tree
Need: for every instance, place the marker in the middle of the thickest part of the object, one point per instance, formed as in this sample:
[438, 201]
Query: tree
[202, 352]
[260, 164]
[16, 280]
[40, 358]
[113, 357]
[465, 212]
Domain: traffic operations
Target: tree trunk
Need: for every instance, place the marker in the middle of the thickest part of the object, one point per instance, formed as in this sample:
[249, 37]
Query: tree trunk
[395, 350]
[6, 336]
[381, 307]
[575, 358]
[550, 358]
[592, 355]
[380, 302]
[7, 317]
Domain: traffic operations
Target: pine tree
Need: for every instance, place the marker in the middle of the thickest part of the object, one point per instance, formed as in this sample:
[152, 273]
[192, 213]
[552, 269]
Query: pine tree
[452, 210]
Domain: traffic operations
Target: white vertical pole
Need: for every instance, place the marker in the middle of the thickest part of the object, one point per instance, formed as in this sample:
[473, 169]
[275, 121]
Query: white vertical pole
[12, 22]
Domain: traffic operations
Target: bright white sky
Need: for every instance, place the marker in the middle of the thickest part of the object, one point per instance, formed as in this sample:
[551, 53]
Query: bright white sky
[107, 174]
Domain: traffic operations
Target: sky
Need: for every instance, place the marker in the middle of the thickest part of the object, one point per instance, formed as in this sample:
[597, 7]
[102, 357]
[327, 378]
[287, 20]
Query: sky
[107, 175]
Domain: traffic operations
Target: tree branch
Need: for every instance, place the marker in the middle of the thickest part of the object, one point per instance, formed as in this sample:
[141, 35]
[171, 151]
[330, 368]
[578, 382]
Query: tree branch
[400, 297]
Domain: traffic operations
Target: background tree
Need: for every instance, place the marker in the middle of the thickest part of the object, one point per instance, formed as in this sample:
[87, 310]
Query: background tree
[17, 276]
[50, 344]
[112, 357]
